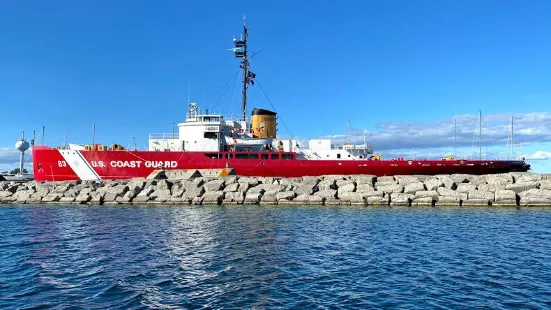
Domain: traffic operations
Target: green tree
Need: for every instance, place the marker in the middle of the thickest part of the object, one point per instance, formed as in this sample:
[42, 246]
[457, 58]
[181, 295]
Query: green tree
[16, 171]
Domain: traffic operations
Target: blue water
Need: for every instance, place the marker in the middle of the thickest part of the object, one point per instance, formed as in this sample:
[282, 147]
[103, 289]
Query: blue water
[274, 257]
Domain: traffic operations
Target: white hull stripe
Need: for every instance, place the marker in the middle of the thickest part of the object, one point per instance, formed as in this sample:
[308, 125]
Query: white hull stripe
[79, 165]
[88, 164]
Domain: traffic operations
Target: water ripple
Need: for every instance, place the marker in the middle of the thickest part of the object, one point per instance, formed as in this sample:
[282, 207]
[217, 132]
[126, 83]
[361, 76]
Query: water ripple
[274, 257]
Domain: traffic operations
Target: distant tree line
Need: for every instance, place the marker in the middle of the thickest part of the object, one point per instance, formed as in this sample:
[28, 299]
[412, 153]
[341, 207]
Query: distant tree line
[16, 171]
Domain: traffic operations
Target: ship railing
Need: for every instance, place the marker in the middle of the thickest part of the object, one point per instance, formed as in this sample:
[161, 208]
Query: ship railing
[163, 136]
[350, 147]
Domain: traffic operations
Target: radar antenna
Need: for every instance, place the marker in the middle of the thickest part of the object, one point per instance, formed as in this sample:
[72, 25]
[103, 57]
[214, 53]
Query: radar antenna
[240, 51]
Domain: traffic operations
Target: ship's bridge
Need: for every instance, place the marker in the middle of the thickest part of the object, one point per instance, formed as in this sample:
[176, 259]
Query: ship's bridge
[199, 132]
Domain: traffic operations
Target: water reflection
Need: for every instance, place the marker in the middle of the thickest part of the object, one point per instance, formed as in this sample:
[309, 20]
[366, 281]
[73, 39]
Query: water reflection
[286, 257]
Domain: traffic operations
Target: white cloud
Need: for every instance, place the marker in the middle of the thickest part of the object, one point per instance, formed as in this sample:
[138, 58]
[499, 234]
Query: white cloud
[8, 155]
[528, 128]
[9, 159]
[538, 155]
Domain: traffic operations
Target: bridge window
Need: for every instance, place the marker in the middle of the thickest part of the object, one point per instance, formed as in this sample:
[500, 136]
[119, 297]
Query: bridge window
[339, 155]
[275, 156]
[228, 156]
[211, 135]
[263, 156]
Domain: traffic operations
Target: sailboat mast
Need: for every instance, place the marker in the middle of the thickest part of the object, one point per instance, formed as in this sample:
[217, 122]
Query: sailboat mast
[454, 137]
[480, 133]
[512, 140]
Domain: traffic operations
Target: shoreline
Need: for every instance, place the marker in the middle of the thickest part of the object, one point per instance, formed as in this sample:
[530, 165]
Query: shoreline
[515, 189]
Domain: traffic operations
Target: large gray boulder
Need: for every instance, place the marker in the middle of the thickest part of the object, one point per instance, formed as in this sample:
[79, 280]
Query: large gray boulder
[424, 194]
[545, 184]
[502, 180]
[490, 187]
[346, 188]
[401, 199]
[535, 202]
[390, 189]
[252, 198]
[521, 186]
[287, 195]
[448, 201]
[505, 198]
[193, 192]
[475, 194]
[5, 194]
[461, 178]
[475, 202]
[448, 182]
[306, 189]
[214, 185]
[414, 187]
[374, 194]
[327, 194]
[529, 177]
[327, 185]
[256, 190]
[465, 187]
[505, 195]
[269, 198]
[213, 197]
[309, 200]
[535, 193]
[232, 187]
[233, 198]
[251, 181]
[423, 201]
[377, 200]
[446, 192]
[433, 184]
[352, 198]
[406, 179]
[364, 187]
[383, 179]
[365, 179]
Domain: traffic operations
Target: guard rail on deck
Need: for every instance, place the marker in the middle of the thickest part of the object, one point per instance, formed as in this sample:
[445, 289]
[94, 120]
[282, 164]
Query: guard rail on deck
[163, 136]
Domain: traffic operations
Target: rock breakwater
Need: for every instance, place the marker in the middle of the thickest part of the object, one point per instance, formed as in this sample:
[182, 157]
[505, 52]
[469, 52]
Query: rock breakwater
[511, 189]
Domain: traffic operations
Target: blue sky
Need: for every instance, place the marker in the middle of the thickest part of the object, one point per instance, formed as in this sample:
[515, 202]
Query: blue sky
[400, 70]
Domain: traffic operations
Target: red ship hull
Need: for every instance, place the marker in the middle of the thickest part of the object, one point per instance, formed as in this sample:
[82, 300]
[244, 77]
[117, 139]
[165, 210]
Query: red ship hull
[59, 165]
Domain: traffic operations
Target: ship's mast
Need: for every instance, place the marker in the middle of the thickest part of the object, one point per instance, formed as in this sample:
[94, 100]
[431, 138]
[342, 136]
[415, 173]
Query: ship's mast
[240, 51]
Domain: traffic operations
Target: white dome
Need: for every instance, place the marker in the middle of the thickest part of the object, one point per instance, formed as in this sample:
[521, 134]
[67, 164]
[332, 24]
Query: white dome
[22, 145]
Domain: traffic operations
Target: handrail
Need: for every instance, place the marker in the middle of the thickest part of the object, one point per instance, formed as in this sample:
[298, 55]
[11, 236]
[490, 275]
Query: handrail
[163, 136]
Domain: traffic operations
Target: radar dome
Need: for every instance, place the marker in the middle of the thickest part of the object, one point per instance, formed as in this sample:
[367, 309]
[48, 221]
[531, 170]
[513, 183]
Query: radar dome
[22, 145]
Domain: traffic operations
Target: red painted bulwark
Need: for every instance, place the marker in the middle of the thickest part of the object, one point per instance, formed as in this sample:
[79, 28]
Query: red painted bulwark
[50, 165]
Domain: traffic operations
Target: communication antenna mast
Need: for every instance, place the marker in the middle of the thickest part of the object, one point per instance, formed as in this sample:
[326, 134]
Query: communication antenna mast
[240, 50]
